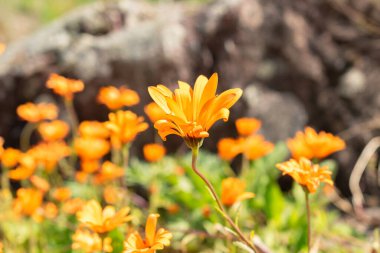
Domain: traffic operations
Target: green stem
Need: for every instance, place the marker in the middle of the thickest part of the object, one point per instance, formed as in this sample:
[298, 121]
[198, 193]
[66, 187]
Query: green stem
[26, 135]
[308, 220]
[219, 203]
[125, 155]
[72, 115]
[244, 166]
[5, 179]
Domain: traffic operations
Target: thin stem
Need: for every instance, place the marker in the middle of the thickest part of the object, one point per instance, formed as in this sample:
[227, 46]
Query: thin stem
[308, 221]
[72, 115]
[5, 179]
[244, 165]
[26, 135]
[219, 203]
[125, 155]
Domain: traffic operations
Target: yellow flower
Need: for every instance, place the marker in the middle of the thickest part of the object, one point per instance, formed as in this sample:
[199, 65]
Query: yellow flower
[115, 98]
[310, 144]
[53, 131]
[64, 86]
[93, 129]
[154, 152]
[37, 112]
[306, 173]
[27, 201]
[154, 112]
[190, 114]
[233, 190]
[90, 242]
[102, 221]
[10, 157]
[108, 172]
[247, 126]
[154, 240]
[124, 127]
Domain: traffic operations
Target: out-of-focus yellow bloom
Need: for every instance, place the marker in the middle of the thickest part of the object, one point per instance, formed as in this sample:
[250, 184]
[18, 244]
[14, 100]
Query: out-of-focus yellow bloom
[27, 201]
[154, 240]
[154, 112]
[247, 126]
[37, 112]
[154, 152]
[124, 127]
[113, 195]
[61, 194]
[102, 221]
[233, 190]
[72, 206]
[115, 98]
[91, 148]
[47, 154]
[2, 48]
[228, 148]
[190, 114]
[40, 183]
[310, 144]
[10, 157]
[53, 131]
[93, 129]
[25, 169]
[108, 172]
[1, 244]
[63, 86]
[90, 242]
[306, 173]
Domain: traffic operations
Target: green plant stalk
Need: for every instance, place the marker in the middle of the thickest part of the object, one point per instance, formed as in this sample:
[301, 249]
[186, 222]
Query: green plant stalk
[26, 135]
[5, 179]
[307, 202]
[72, 115]
[219, 203]
[125, 155]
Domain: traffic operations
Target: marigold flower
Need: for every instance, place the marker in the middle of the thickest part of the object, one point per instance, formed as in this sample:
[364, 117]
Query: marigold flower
[37, 112]
[124, 126]
[93, 129]
[108, 172]
[256, 146]
[115, 98]
[190, 114]
[154, 152]
[154, 240]
[91, 148]
[233, 190]
[154, 112]
[53, 131]
[26, 168]
[40, 183]
[10, 157]
[310, 144]
[228, 148]
[61, 194]
[102, 221]
[64, 86]
[72, 206]
[306, 173]
[27, 201]
[247, 126]
[90, 242]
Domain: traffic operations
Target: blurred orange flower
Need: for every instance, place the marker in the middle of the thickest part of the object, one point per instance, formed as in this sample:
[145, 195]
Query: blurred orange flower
[64, 86]
[102, 221]
[1, 146]
[306, 173]
[27, 201]
[81, 176]
[173, 208]
[50, 210]
[190, 114]
[108, 172]
[53, 131]
[310, 144]
[61, 194]
[90, 242]
[247, 126]
[40, 183]
[124, 127]
[115, 98]
[228, 148]
[154, 240]
[10, 157]
[72, 206]
[25, 169]
[91, 148]
[154, 152]
[233, 190]
[113, 195]
[90, 166]
[93, 129]
[2, 48]
[255, 146]
[154, 112]
[37, 112]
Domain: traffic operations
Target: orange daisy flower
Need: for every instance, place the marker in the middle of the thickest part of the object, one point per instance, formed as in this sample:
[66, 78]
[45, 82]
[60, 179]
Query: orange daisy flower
[91, 148]
[306, 173]
[90, 242]
[154, 112]
[256, 146]
[63, 86]
[10, 157]
[27, 166]
[310, 144]
[115, 98]
[108, 172]
[37, 112]
[154, 152]
[40, 183]
[247, 126]
[102, 221]
[113, 195]
[228, 148]
[50, 210]
[61, 194]
[72, 206]
[27, 201]
[154, 240]
[53, 131]
[93, 129]
[191, 113]
[124, 127]
[233, 190]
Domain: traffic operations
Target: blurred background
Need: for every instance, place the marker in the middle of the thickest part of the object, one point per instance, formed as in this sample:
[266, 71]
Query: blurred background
[312, 62]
